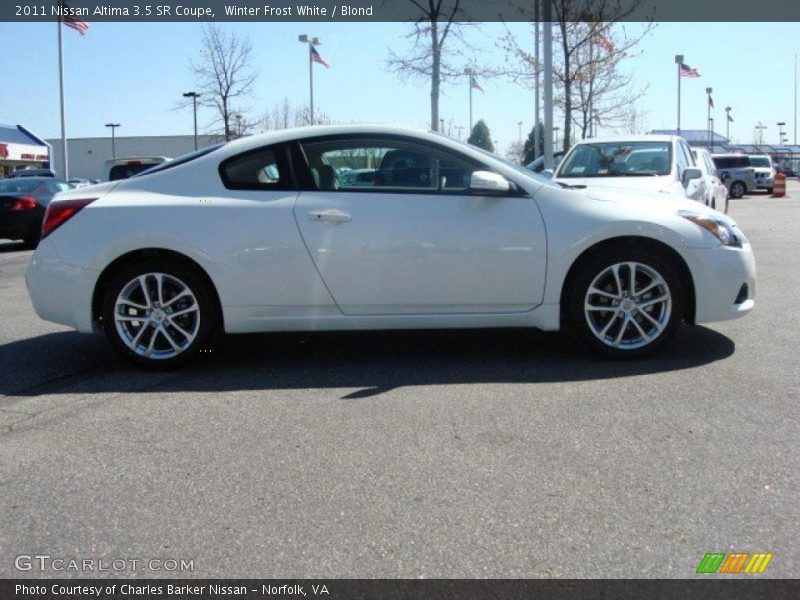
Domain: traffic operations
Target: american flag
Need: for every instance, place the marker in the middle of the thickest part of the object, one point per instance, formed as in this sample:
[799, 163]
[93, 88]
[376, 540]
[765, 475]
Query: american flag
[603, 42]
[687, 71]
[75, 23]
[318, 59]
[474, 83]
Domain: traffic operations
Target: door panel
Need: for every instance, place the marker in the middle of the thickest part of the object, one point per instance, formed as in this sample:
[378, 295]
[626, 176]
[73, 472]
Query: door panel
[418, 253]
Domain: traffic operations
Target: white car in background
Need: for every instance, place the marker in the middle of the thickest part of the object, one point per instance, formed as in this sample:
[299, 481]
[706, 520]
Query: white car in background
[764, 170]
[652, 163]
[716, 192]
[262, 234]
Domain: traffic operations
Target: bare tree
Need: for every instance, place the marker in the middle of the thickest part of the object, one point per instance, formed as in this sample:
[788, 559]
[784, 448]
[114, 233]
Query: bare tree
[224, 76]
[586, 66]
[433, 33]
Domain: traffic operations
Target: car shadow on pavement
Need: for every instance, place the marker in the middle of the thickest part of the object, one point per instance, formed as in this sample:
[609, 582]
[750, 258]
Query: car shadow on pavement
[372, 362]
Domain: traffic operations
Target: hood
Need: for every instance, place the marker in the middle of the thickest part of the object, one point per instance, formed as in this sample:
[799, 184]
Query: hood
[654, 183]
[660, 201]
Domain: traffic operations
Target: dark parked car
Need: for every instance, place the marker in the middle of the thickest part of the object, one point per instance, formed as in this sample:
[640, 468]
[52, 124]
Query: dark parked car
[23, 201]
[31, 173]
[537, 166]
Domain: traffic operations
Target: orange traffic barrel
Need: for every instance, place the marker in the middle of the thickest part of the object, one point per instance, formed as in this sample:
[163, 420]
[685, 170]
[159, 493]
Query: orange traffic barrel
[779, 191]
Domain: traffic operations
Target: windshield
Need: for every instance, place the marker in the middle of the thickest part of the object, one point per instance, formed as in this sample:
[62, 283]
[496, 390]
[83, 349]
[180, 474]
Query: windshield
[180, 160]
[18, 186]
[618, 159]
[760, 161]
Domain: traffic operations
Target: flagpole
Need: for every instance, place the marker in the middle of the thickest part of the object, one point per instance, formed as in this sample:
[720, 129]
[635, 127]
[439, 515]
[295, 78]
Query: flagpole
[591, 75]
[547, 52]
[678, 61]
[536, 80]
[708, 122]
[311, 80]
[64, 159]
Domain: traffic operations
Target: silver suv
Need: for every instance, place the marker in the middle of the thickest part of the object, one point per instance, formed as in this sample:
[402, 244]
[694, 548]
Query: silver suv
[736, 173]
[765, 171]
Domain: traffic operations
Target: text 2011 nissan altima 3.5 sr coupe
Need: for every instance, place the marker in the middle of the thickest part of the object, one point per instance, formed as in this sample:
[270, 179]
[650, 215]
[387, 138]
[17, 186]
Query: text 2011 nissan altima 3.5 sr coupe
[374, 227]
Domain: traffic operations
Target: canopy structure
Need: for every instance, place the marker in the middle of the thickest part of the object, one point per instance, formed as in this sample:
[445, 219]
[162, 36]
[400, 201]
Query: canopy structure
[787, 157]
[21, 148]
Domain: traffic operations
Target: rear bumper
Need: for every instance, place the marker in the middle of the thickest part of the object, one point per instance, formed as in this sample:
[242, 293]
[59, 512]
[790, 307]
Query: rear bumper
[725, 282]
[60, 292]
[19, 224]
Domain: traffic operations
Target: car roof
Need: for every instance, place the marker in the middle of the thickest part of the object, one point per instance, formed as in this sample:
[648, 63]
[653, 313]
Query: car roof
[298, 133]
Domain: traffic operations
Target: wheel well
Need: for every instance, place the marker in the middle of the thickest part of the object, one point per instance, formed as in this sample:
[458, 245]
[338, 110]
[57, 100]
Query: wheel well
[147, 254]
[660, 248]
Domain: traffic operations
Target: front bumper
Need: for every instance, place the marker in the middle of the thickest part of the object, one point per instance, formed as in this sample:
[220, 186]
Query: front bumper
[60, 292]
[765, 182]
[724, 281]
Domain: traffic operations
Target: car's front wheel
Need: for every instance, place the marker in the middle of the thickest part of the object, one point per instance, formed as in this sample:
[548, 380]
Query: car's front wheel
[626, 303]
[158, 313]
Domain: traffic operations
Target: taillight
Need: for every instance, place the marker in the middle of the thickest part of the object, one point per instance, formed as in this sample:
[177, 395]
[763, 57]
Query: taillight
[24, 203]
[61, 211]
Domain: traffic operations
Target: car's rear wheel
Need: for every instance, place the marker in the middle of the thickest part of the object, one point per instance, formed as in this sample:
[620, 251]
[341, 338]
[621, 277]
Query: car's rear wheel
[158, 313]
[626, 303]
[737, 189]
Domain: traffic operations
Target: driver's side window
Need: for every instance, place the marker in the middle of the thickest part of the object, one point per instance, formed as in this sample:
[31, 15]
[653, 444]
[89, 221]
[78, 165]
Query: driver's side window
[385, 165]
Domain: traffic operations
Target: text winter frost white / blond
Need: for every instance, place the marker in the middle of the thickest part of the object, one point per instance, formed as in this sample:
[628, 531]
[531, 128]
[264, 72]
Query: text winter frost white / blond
[300, 10]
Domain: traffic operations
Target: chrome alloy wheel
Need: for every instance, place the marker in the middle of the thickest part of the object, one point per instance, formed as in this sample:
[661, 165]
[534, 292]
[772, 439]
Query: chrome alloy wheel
[628, 305]
[157, 315]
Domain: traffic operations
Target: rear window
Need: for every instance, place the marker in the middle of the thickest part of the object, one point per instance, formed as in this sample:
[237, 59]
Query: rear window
[127, 171]
[760, 161]
[731, 162]
[180, 160]
[18, 186]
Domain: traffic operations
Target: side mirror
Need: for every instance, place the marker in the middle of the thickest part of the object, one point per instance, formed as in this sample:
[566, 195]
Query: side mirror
[690, 173]
[488, 184]
[547, 173]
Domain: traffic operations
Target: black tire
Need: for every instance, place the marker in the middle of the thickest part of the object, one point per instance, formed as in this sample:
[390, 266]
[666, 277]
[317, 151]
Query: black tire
[713, 203]
[671, 313]
[206, 314]
[769, 191]
[737, 189]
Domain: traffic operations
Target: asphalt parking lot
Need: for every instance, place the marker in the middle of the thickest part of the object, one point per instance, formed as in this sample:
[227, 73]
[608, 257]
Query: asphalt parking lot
[425, 454]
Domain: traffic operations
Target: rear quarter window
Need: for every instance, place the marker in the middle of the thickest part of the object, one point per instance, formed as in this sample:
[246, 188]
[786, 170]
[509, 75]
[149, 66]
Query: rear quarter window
[262, 169]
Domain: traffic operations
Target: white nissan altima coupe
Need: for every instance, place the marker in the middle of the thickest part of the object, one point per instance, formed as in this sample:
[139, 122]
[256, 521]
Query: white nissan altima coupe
[275, 233]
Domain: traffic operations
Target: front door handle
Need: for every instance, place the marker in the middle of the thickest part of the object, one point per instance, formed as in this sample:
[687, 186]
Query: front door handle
[330, 216]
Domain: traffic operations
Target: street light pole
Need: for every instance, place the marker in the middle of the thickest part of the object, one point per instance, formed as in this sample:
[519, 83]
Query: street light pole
[311, 41]
[113, 127]
[194, 96]
[760, 129]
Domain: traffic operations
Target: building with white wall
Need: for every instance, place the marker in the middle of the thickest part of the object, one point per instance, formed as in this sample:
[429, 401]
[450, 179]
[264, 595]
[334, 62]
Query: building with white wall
[87, 155]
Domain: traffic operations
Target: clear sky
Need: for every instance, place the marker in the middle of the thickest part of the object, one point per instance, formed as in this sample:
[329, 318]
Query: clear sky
[134, 74]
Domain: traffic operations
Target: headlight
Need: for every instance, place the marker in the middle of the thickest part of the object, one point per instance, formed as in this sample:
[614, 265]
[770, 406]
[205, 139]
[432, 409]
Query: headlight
[719, 229]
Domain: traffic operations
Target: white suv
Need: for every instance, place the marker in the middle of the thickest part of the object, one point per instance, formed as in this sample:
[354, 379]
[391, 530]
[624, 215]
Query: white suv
[765, 171]
[655, 163]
